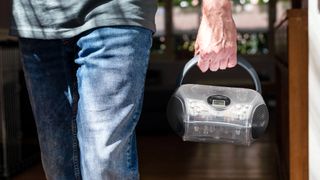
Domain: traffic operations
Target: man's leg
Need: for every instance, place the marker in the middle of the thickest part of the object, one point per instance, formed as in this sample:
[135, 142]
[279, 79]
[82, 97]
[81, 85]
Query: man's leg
[112, 67]
[48, 68]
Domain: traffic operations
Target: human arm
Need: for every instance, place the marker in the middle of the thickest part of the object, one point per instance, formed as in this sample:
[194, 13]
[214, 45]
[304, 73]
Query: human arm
[216, 41]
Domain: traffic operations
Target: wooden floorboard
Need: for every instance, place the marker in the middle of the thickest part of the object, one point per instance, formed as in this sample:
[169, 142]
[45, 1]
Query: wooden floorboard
[170, 158]
[167, 157]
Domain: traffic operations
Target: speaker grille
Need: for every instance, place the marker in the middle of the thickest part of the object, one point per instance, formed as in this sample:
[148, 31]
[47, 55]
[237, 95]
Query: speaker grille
[175, 112]
[260, 121]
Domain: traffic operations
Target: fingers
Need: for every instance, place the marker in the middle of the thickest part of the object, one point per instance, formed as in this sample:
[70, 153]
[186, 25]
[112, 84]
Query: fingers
[219, 61]
[223, 62]
[232, 60]
[203, 64]
[214, 65]
[214, 62]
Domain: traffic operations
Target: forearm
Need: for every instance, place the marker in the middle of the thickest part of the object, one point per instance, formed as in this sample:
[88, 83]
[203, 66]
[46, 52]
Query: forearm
[216, 4]
[216, 41]
[213, 9]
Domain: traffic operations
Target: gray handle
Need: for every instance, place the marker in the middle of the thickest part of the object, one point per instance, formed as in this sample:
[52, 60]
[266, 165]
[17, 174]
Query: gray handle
[241, 61]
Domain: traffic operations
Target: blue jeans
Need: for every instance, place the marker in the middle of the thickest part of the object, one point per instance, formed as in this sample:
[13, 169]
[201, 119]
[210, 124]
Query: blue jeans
[86, 94]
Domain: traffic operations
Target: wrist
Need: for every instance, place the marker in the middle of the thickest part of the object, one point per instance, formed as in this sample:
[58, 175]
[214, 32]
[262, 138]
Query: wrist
[216, 4]
[213, 9]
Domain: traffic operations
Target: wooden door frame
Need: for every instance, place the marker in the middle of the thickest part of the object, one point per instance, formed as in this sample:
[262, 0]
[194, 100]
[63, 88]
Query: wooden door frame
[298, 93]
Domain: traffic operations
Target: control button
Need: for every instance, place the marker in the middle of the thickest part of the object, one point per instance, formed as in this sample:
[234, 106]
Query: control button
[238, 106]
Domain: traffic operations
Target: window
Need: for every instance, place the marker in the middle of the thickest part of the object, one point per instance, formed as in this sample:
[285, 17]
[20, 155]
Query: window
[252, 21]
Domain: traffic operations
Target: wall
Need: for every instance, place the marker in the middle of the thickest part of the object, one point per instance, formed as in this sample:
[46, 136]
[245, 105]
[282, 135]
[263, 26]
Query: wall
[4, 17]
[314, 89]
[4, 13]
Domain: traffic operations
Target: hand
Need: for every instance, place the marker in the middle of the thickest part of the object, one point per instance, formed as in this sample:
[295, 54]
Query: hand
[216, 41]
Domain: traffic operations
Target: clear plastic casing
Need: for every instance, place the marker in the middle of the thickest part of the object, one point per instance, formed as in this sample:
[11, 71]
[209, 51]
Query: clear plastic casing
[218, 121]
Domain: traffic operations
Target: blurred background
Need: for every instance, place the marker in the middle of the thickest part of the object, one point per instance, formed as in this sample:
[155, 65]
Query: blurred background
[272, 36]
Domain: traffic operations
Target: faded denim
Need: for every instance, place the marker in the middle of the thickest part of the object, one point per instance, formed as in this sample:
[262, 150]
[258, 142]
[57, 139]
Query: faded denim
[86, 93]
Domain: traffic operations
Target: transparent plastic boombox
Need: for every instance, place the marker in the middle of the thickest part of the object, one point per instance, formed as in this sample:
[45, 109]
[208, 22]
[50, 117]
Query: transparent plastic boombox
[204, 113]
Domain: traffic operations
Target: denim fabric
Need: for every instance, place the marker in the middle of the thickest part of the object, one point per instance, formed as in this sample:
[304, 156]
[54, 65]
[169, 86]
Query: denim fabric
[86, 93]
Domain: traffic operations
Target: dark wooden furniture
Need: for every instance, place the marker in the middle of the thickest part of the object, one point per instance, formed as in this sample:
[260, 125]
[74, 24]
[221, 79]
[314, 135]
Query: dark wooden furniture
[291, 46]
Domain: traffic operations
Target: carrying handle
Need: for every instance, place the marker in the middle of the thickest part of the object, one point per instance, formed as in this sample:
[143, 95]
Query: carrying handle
[241, 61]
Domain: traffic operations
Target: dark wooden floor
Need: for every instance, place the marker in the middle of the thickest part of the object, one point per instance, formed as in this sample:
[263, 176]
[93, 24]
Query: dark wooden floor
[170, 158]
[167, 157]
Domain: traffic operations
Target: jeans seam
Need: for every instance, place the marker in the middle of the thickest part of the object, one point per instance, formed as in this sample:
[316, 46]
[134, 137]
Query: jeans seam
[134, 120]
[74, 132]
[75, 147]
[75, 150]
[129, 151]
